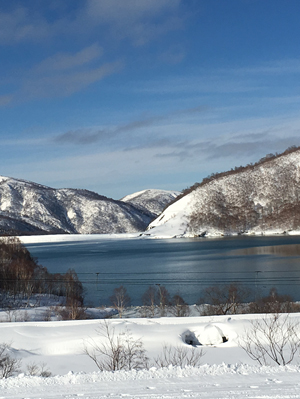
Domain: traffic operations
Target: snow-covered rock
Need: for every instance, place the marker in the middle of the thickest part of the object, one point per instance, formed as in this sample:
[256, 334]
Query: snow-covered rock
[258, 199]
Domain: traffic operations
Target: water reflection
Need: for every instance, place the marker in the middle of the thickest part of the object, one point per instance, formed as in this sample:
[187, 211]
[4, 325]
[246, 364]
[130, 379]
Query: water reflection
[280, 250]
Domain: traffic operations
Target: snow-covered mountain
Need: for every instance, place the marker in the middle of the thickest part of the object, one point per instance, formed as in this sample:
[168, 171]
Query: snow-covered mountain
[263, 199]
[30, 208]
[151, 200]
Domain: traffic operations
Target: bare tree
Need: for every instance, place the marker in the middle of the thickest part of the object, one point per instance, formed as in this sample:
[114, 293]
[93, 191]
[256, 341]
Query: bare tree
[179, 356]
[224, 299]
[8, 364]
[72, 311]
[273, 338]
[116, 351]
[155, 299]
[179, 307]
[274, 303]
[40, 370]
[164, 299]
[120, 299]
[150, 301]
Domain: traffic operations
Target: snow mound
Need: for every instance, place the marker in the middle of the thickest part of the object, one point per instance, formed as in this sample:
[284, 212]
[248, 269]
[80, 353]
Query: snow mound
[212, 335]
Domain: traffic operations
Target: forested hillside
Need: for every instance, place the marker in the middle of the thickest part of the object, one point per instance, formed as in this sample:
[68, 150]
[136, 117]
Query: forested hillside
[260, 198]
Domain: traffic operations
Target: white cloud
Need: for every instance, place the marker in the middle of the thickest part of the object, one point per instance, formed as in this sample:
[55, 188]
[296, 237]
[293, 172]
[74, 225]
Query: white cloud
[277, 67]
[127, 11]
[64, 61]
[138, 20]
[21, 25]
[65, 84]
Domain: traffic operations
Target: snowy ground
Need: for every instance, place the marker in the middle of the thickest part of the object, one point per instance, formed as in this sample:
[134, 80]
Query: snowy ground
[226, 370]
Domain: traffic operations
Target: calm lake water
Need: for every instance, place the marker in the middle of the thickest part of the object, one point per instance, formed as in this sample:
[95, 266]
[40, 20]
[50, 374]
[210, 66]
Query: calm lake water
[184, 266]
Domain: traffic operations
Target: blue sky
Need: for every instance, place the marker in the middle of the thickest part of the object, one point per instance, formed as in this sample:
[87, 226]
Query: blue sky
[117, 96]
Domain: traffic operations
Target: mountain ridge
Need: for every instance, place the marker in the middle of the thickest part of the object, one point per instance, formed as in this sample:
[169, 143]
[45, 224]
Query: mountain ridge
[260, 199]
[32, 208]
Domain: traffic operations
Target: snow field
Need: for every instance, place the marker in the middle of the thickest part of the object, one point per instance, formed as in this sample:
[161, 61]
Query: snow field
[226, 370]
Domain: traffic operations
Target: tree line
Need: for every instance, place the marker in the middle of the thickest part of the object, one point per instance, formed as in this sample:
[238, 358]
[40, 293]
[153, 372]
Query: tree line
[224, 299]
[21, 276]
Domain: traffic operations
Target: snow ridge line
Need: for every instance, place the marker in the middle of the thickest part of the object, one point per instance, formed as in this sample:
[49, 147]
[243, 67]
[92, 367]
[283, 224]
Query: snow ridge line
[154, 373]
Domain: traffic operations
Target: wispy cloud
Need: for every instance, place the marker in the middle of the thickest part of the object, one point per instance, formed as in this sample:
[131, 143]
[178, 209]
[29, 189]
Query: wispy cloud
[139, 21]
[67, 61]
[21, 25]
[233, 149]
[107, 23]
[90, 136]
[277, 67]
[253, 79]
[236, 148]
[65, 84]
[81, 136]
[62, 75]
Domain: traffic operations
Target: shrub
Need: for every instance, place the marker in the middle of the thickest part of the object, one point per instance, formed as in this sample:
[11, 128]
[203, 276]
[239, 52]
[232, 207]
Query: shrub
[274, 303]
[116, 351]
[40, 370]
[179, 356]
[273, 338]
[224, 299]
[8, 364]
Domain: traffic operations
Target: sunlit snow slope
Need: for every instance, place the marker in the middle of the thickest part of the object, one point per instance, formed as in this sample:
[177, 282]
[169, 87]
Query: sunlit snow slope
[263, 198]
[151, 200]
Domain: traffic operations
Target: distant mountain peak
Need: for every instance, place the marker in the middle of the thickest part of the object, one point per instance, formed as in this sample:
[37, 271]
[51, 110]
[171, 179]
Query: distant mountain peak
[153, 200]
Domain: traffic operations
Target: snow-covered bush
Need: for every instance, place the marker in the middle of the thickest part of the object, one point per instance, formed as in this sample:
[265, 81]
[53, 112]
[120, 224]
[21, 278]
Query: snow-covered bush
[181, 356]
[273, 338]
[116, 351]
[40, 370]
[8, 364]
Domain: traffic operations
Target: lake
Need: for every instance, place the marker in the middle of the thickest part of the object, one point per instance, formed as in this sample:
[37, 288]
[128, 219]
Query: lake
[184, 266]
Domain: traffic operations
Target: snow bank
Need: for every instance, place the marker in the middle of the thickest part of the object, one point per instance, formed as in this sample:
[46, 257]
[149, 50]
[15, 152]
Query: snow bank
[74, 237]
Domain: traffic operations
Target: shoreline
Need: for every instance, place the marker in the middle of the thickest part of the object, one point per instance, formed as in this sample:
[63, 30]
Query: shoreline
[142, 235]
